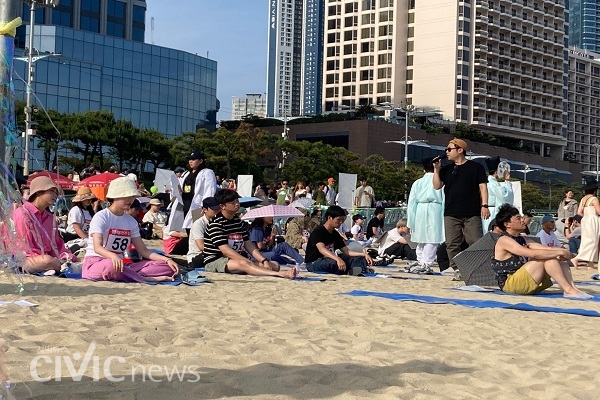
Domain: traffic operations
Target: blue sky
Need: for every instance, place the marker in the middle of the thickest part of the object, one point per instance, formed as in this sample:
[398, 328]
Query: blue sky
[233, 32]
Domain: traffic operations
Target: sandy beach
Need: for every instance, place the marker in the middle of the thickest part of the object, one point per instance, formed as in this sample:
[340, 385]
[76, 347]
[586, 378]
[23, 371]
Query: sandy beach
[266, 338]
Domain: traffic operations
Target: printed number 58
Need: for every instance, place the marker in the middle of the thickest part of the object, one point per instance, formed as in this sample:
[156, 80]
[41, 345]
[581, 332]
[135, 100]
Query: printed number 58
[120, 244]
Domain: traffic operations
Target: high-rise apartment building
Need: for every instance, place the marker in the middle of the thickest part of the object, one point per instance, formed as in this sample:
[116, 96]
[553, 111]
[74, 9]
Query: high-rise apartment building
[584, 24]
[497, 65]
[312, 57]
[255, 104]
[294, 58]
[119, 18]
[284, 58]
[584, 108]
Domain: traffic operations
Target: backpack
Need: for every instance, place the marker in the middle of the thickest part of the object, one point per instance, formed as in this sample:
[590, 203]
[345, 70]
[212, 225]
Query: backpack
[146, 230]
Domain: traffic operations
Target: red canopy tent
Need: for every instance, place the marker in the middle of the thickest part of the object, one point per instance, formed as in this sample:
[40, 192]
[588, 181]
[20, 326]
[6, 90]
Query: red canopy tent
[62, 181]
[98, 183]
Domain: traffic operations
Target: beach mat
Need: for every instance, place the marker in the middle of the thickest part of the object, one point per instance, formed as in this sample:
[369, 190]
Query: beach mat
[544, 294]
[473, 303]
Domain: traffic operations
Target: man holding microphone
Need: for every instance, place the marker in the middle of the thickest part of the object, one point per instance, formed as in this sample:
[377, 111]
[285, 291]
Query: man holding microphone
[466, 196]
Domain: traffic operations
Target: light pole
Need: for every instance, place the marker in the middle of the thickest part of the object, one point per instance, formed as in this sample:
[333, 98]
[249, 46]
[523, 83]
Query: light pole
[597, 147]
[407, 110]
[30, 73]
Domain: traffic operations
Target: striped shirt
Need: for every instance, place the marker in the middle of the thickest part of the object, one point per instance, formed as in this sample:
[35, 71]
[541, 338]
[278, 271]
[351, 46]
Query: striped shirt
[220, 230]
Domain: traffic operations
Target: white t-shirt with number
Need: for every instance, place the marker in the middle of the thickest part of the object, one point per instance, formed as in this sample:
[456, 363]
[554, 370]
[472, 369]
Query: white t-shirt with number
[78, 216]
[116, 231]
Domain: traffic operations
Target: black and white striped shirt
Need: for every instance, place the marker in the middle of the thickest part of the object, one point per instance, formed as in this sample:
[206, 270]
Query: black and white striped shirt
[220, 230]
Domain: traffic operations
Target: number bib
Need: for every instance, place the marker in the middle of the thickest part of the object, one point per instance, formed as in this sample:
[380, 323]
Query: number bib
[86, 225]
[235, 241]
[118, 240]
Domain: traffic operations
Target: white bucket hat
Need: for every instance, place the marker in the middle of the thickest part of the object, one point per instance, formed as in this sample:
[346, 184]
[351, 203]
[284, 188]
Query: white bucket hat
[122, 187]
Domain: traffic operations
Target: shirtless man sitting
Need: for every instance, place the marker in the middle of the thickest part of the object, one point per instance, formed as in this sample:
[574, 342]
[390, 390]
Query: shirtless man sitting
[526, 268]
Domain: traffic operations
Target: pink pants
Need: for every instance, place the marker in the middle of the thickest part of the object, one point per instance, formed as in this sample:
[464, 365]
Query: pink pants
[101, 269]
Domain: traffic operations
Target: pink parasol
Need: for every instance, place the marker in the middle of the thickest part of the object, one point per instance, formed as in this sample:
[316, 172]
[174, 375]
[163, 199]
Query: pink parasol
[273, 211]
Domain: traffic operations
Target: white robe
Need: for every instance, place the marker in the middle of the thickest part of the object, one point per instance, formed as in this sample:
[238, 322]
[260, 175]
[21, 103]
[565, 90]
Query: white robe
[425, 211]
[498, 194]
[205, 186]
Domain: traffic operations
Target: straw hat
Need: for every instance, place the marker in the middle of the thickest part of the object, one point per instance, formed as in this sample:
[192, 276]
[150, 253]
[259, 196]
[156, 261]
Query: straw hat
[40, 184]
[122, 187]
[156, 202]
[84, 193]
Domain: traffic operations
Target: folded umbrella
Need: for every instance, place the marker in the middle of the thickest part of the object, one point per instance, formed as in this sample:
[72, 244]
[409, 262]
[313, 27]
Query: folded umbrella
[475, 262]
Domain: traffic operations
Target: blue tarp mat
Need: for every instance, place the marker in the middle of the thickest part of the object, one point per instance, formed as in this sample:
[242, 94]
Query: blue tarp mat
[473, 303]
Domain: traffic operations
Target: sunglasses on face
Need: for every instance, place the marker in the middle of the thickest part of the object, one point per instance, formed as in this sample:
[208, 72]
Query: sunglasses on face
[449, 149]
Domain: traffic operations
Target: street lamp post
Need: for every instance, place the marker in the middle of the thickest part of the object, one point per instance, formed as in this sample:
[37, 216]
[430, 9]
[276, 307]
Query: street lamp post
[30, 74]
[407, 110]
[597, 147]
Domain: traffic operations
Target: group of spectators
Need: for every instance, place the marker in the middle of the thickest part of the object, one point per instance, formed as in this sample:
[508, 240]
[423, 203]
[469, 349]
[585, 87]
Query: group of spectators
[208, 218]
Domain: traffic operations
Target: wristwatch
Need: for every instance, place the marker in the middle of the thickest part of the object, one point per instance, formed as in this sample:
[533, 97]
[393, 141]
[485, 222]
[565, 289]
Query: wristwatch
[485, 206]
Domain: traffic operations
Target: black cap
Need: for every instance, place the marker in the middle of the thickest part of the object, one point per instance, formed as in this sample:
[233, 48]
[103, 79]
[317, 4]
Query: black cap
[211, 203]
[179, 169]
[136, 204]
[357, 217]
[197, 155]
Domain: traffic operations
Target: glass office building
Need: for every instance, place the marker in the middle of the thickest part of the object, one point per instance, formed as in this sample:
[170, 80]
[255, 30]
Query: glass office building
[584, 20]
[125, 19]
[154, 87]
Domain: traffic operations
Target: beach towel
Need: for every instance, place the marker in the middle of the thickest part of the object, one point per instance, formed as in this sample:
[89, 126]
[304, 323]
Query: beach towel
[473, 303]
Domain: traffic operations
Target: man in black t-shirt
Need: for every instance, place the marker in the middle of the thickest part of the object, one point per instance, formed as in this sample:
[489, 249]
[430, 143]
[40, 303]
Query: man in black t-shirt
[324, 241]
[465, 189]
[226, 236]
[375, 225]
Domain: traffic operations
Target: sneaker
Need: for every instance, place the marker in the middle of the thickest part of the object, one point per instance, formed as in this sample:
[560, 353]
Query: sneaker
[457, 276]
[421, 269]
[381, 263]
[411, 264]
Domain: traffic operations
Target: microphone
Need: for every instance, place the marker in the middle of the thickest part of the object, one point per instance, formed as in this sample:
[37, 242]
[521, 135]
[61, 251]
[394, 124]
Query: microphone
[439, 158]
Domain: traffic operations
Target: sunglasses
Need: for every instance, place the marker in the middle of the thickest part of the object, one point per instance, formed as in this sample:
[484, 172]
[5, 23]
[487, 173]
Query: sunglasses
[449, 149]
[455, 170]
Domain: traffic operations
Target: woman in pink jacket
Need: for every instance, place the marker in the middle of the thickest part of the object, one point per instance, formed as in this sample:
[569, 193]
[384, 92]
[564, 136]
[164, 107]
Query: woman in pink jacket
[37, 226]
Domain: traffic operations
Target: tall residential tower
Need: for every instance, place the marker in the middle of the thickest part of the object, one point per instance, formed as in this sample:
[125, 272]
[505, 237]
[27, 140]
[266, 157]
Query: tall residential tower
[294, 58]
[497, 65]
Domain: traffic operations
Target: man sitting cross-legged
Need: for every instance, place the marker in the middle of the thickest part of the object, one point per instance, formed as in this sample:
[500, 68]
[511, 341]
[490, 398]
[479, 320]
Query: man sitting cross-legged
[226, 236]
[324, 241]
[524, 268]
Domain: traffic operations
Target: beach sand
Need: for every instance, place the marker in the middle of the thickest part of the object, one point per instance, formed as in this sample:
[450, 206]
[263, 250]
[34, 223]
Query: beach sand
[267, 338]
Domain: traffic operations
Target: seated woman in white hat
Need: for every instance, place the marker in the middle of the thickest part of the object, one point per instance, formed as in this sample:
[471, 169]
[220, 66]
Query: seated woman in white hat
[37, 226]
[80, 215]
[112, 232]
[156, 217]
